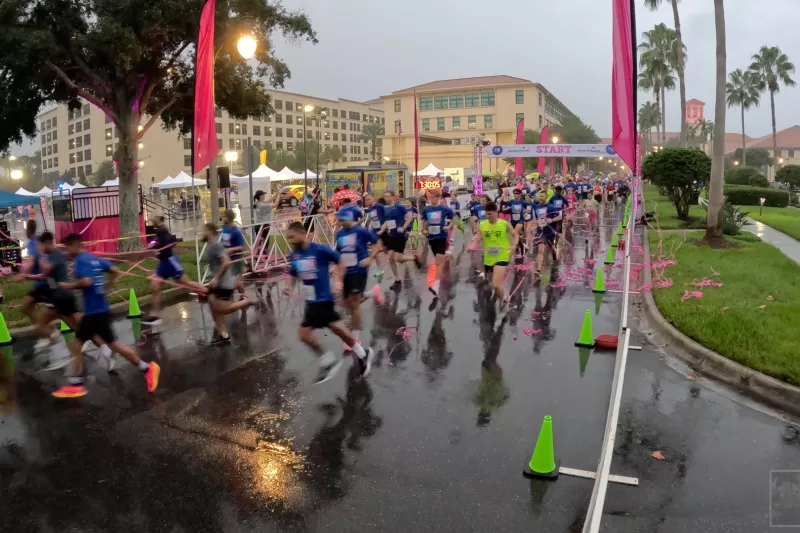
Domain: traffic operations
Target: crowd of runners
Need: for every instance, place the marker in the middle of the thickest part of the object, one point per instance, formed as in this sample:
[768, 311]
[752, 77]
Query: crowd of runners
[525, 221]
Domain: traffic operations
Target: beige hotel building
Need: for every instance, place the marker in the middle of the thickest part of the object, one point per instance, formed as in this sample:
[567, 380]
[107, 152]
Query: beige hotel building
[75, 143]
[452, 111]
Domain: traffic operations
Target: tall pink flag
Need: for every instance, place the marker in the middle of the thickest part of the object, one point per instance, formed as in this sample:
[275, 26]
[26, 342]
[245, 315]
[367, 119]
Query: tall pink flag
[520, 140]
[416, 136]
[564, 165]
[204, 134]
[542, 140]
[623, 104]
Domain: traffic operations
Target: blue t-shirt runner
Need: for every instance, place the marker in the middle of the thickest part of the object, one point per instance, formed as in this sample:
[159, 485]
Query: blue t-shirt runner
[515, 208]
[436, 220]
[94, 296]
[311, 266]
[375, 217]
[352, 244]
[395, 217]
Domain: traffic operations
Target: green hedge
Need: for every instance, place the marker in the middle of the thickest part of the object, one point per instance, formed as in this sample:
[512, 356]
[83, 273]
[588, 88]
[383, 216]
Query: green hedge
[745, 176]
[744, 195]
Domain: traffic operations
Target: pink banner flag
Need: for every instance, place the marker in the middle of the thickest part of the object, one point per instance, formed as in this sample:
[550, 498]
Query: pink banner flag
[623, 105]
[204, 133]
[518, 169]
[416, 136]
[564, 165]
[542, 140]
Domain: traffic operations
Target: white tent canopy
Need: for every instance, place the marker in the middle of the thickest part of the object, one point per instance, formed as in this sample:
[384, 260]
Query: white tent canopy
[286, 171]
[264, 171]
[430, 170]
[310, 174]
[111, 183]
[45, 191]
[164, 182]
[182, 180]
[24, 192]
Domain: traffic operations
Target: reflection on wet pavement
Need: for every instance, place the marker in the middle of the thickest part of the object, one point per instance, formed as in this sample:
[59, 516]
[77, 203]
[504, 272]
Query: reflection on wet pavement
[237, 439]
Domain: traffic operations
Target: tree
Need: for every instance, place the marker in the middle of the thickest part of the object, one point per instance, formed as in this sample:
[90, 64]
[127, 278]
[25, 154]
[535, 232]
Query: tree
[707, 132]
[716, 187]
[279, 160]
[742, 90]
[757, 157]
[678, 171]
[305, 156]
[772, 67]
[104, 172]
[330, 154]
[573, 130]
[659, 54]
[679, 59]
[372, 133]
[790, 175]
[135, 62]
[649, 118]
[529, 164]
[745, 176]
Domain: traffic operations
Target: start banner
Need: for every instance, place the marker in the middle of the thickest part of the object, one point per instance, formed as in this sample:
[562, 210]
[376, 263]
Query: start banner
[551, 150]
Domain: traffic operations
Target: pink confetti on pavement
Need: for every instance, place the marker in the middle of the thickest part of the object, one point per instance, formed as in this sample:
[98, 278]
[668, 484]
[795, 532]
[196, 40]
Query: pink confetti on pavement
[689, 295]
[707, 283]
[559, 285]
[591, 262]
[530, 332]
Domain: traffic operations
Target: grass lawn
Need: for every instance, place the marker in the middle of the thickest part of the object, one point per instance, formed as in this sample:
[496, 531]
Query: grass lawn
[752, 319]
[668, 215]
[137, 280]
[784, 219]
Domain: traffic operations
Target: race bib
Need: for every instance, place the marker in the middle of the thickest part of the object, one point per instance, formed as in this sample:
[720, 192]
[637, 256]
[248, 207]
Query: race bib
[350, 259]
[515, 216]
[391, 224]
[493, 250]
[375, 224]
[309, 292]
[434, 230]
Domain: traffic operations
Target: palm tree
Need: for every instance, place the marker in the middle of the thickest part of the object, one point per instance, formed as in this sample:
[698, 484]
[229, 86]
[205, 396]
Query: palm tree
[680, 59]
[772, 67]
[649, 118]
[742, 90]
[372, 132]
[717, 183]
[658, 58]
[707, 132]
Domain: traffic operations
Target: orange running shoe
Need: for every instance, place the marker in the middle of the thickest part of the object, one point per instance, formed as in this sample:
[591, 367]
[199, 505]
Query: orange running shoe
[152, 374]
[70, 391]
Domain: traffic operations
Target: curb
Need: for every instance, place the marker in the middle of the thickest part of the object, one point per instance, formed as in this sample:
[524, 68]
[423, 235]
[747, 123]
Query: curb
[117, 310]
[760, 386]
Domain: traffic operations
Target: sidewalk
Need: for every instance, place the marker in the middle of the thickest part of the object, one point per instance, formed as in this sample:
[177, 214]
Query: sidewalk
[789, 246]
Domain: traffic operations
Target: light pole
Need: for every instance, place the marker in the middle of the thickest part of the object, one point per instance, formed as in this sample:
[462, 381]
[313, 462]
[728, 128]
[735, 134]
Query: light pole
[553, 159]
[306, 110]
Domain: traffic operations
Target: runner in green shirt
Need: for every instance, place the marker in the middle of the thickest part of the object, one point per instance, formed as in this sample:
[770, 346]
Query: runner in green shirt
[498, 238]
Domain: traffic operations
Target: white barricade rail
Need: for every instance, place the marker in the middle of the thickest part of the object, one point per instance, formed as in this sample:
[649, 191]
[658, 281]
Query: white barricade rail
[272, 251]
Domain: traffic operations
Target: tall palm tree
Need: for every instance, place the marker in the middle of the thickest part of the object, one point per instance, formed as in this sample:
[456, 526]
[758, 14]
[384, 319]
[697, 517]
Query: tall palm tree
[680, 59]
[649, 118]
[742, 90]
[372, 132]
[659, 53]
[772, 67]
[707, 132]
[717, 182]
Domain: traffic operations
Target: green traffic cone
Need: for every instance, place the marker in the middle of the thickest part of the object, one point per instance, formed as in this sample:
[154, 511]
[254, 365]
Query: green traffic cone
[599, 282]
[620, 230]
[64, 328]
[543, 462]
[586, 339]
[609, 256]
[614, 241]
[583, 359]
[133, 306]
[598, 301]
[5, 336]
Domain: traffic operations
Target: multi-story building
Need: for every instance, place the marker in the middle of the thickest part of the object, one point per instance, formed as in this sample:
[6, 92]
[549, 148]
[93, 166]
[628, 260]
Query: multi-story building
[452, 111]
[695, 111]
[73, 144]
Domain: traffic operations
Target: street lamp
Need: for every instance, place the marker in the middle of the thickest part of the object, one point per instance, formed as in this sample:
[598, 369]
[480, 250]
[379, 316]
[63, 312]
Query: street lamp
[761, 209]
[736, 163]
[16, 174]
[141, 164]
[246, 45]
[555, 140]
[780, 161]
[231, 157]
[306, 110]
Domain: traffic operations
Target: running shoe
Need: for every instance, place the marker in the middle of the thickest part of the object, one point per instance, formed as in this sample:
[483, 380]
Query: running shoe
[152, 375]
[327, 372]
[396, 285]
[434, 288]
[151, 320]
[379, 272]
[220, 339]
[349, 348]
[88, 346]
[366, 363]
[70, 391]
[377, 295]
[59, 357]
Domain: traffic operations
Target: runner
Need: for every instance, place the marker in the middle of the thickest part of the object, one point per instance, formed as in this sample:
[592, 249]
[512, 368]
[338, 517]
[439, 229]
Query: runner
[221, 285]
[310, 263]
[437, 221]
[352, 243]
[611, 192]
[40, 294]
[498, 238]
[234, 243]
[591, 206]
[397, 223]
[515, 209]
[90, 278]
[561, 204]
[169, 268]
[545, 214]
[477, 212]
[598, 192]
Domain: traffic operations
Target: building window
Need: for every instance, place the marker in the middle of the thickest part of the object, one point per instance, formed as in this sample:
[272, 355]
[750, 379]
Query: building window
[55, 161]
[289, 132]
[86, 124]
[78, 141]
[219, 127]
[472, 122]
[87, 139]
[49, 137]
[87, 154]
[278, 104]
[279, 146]
[397, 106]
[268, 145]
[540, 122]
[238, 144]
[187, 160]
[237, 128]
[540, 99]
[520, 95]
[457, 101]
[187, 143]
[49, 150]
[231, 144]
[472, 100]
[289, 106]
[487, 121]
[71, 144]
[290, 147]
[267, 131]
[298, 106]
[520, 116]
[55, 148]
[440, 102]
[279, 119]
[85, 109]
[778, 153]
[108, 120]
[299, 120]
[327, 136]
[426, 124]
[456, 123]
[440, 124]
[278, 132]
[217, 112]
[79, 157]
[791, 153]
[78, 127]
[487, 99]
[108, 133]
[336, 136]
[257, 143]
[300, 133]
[244, 129]
[344, 125]
[344, 149]
[336, 114]
[70, 130]
[44, 138]
[256, 130]
[55, 123]
[230, 128]
[425, 103]
[109, 150]
[55, 133]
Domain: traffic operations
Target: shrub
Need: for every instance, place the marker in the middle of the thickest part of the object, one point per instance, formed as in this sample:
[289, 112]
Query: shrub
[744, 195]
[745, 176]
[733, 220]
[678, 171]
[790, 175]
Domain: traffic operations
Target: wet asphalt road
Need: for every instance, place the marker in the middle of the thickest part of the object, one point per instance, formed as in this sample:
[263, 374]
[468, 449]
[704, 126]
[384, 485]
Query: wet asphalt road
[238, 439]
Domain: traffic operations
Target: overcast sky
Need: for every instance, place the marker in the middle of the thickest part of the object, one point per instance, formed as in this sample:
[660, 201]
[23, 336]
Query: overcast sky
[368, 49]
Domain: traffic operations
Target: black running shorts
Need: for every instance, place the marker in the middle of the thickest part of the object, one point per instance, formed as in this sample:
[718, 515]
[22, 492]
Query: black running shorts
[354, 284]
[319, 315]
[98, 324]
[438, 246]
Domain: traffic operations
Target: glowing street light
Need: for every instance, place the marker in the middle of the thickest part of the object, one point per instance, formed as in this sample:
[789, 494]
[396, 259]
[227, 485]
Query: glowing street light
[141, 146]
[141, 164]
[555, 140]
[12, 158]
[246, 45]
[780, 161]
[16, 174]
[736, 163]
[761, 209]
[231, 157]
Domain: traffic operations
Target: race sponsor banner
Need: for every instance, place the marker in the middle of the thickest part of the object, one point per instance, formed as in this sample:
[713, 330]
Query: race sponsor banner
[551, 150]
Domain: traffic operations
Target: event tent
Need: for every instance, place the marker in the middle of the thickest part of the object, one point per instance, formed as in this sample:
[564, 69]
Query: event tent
[183, 180]
[45, 191]
[264, 171]
[111, 183]
[430, 170]
[163, 183]
[23, 192]
[8, 199]
[286, 171]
